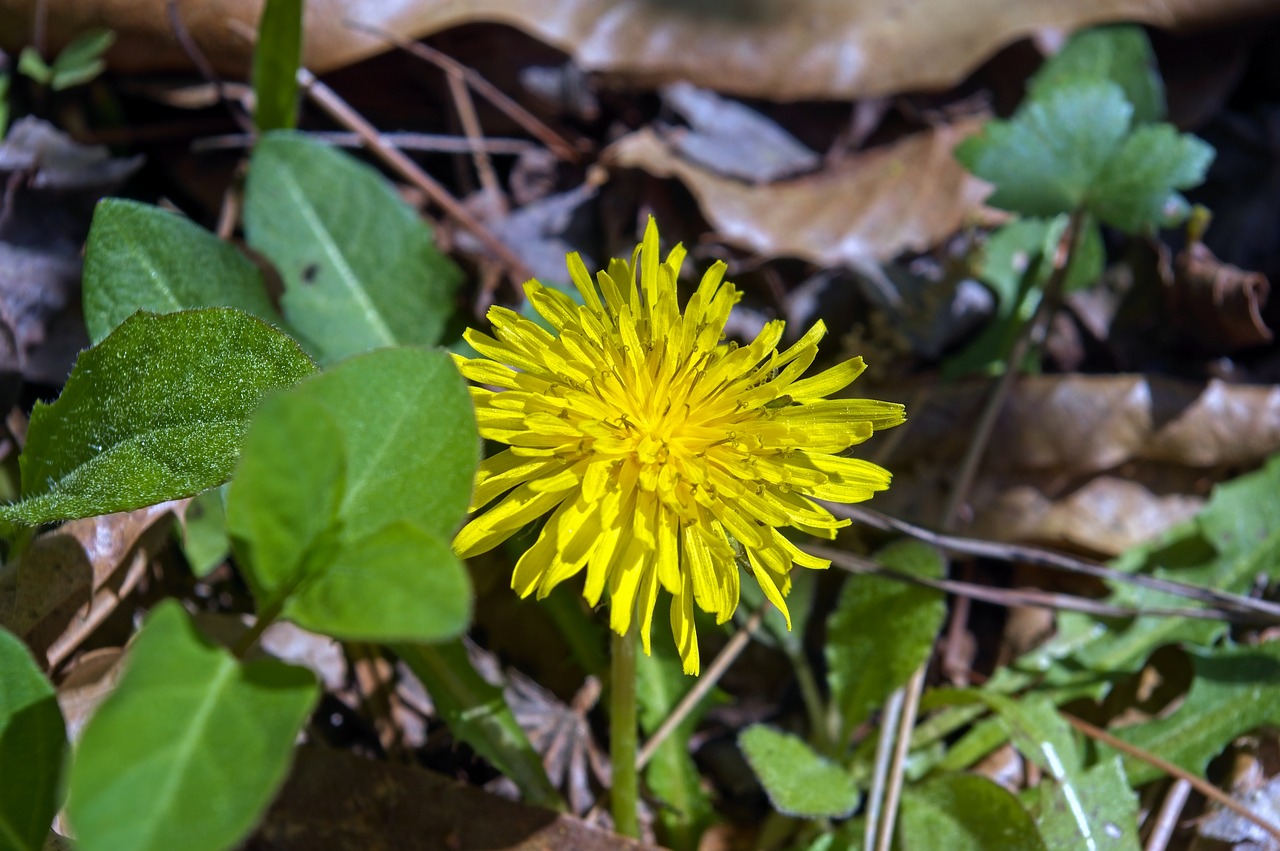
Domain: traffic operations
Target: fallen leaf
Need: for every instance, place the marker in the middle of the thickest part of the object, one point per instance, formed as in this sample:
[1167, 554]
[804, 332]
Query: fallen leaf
[335, 800]
[908, 195]
[1214, 303]
[807, 49]
[70, 579]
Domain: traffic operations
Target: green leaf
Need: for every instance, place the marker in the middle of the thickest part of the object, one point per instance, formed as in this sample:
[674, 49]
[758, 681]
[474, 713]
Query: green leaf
[349, 488]
[671, 774]
[275, 65]
[32, 66]
[81, 60]
[477, 713]
[190, 748]
[359, 266]
[1138, 183]
[1047, 158]
[140, 257]
[1235, 690]
[1119, 54]
[400, 583]
[798, 781]
[1072, 148]
[881, 631]
[154, 412]
[204, 532]
[1093, 810]
[32, 741]
[1039, 733]
[965, 812]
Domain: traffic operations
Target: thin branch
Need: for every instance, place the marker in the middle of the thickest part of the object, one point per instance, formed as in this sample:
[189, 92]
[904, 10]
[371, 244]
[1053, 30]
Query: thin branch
[197, 57]
[707, 681]
[893, 792]
[1039, 557]
[1166, 819]
[431, 142]
[342, 112]
[517, 113]
[1204, 787]
[471, 126]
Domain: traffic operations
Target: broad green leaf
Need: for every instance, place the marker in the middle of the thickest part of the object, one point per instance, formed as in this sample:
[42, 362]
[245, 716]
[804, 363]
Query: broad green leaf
[798, 781]
[1093, 810]
[671, 774]
[477, 713]
[882, 630]
[1046, 159]
[275, 65]
[32, 741]
[1235, 690]
[81, 60]
[154, 412]
[400, 583]
[1121, 54]
[965, 812]
[140, 257]
[409, 437]
[322, 524]
[1138, 183]
[204, 531]
[284, 498]
[1072, 148]
[190, 748]
[1039, 733]
[359, 266]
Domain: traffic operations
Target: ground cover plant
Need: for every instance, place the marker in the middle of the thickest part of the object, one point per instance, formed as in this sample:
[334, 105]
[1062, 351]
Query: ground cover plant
[677, 487]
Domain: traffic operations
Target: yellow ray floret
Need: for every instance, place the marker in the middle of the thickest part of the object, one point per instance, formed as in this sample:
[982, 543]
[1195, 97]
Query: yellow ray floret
[656, 448]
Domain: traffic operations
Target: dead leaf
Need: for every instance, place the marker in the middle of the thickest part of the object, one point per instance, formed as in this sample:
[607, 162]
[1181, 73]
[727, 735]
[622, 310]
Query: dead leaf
[908, 195]
[335, 800]
[91, 677]
[1216, 304]
[805, 49]
[70, 579]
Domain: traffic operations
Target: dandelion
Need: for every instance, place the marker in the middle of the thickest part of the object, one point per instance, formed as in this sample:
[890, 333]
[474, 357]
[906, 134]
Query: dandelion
[659, 449]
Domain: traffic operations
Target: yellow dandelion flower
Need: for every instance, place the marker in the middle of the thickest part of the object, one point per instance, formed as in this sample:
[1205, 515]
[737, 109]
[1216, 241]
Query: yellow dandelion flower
[656, 446]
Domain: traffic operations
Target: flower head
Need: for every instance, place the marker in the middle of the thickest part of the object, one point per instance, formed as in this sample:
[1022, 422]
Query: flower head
[658, 448]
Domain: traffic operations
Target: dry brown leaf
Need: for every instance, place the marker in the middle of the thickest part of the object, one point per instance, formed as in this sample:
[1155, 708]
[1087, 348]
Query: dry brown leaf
[334, 800]
[905, 196]
[69, 580]
[1075, 424]
[1214, 303]
[762, 48]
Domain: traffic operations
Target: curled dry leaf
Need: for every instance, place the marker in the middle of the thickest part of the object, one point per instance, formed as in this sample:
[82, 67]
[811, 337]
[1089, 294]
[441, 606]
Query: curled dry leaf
[70, 579]
[786, 51]
[1214, 303]
[908, 195]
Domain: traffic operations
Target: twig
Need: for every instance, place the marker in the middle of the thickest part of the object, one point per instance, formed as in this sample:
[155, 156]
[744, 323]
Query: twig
[880, 773]
[1167, 818]
[433, 142]
[707, 681]
[893, 792]
[471, 126]
[1027, 596]
[197, 57]
[1204, 787]
[517, 113]
[338, 109]
[1040, 557]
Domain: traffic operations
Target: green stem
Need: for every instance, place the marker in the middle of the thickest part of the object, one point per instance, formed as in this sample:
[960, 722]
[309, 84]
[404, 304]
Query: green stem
[622, 734]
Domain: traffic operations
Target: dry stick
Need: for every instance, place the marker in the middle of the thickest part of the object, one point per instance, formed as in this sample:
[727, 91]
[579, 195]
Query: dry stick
[517, 113]
[1032, 333]
[1204, 787]
[889, 719]
[338, 109]
[704, 684]
[197, 57]
[1023, 596]
[471, 126]
[1167, 819]
[1040, 557]
[433, 142]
